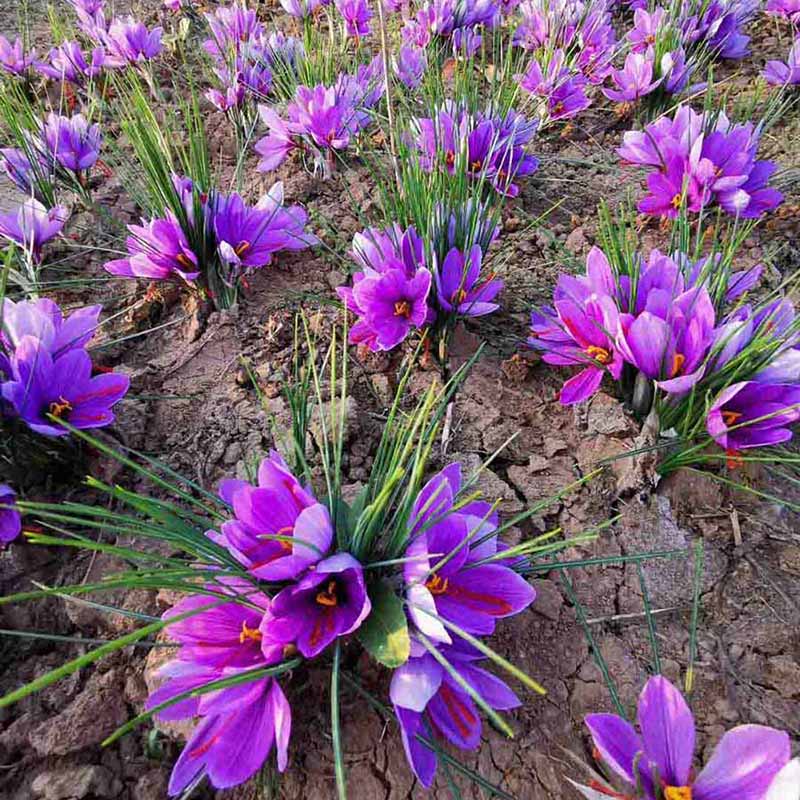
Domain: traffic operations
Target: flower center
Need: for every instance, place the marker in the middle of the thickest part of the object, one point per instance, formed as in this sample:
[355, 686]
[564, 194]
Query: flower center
[58, 408]
[650, 38]
[676, 201]
[242, 248]
[184, 261]
[436, 585]
[328, 597]
[677, 793]
[730, 417]
[558, 108]
[476, 165]
[249, 634]
[402, 308]
[677, 362]
[598, 354]
[450, 158]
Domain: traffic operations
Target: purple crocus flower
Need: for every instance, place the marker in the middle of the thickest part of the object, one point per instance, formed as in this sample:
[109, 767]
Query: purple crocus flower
[239, 725]
[742, 766]
[128, 41]
[410, 65]
[72, 141]
[247, 236]
[45, 321]
[645, 28]
[158, 250]
[753, 414]
[634, 80]
[669, 344]
[10, 519]
[778, 73]
[326, 603]
[356, 14]
[279, 529]
[32, 225]
[68, 63]
[318, 114]
[472, 588]
[789, 9]
[581, 329]
[300, 9]
[13, 58]
[563, 91]
[231, 27]
[390, 295]
[63, 387]
[281, 140]
[459, 287]
[427, 698]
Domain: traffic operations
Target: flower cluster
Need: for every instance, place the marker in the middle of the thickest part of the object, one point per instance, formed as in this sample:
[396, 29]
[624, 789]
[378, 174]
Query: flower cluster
[572, 45]
[456, 22]
[483, 146]
[243, 237]
[395, 291]
[701, 160]
[321, 120]
[45, 370]
[665, 327]
[658, 760]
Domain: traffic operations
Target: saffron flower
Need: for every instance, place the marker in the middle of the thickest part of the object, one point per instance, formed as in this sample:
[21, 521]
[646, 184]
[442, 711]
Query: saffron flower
[129, 42]
[158, 250]
[45, 321]
[10, 519]
[63, 387]
[13, 58]
[390, 295]
[754, 414]
[645, 28]
[581, 328]
[409, 65]
[356, 14]
[779, 73]
[32, 225]
[325, 603]
[279, 530]
[72, 141]
[300, 9]
[248, 236]
[789, 9]
[231, 27]
[459, 287]
[453, 571]
[68, 63]
[563, 91]
[239, 725]
[23, 172]
[659, 759]
[426, 697]
[635, 80]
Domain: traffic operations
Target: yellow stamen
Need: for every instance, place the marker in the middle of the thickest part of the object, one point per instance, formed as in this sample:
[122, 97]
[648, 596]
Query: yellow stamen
[598, 354]
[184, 261]
[242, 248]
[730, 417]
[328, 597]
[450, 158]
[249, 634]
[677, 793]
[60, 407]
[402, 308]
[476, 165]
[436, 585]
[676, 201]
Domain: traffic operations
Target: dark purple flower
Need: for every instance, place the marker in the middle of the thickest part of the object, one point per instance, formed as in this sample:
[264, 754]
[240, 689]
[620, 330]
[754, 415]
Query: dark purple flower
[742, 766]
[318, 114]
[62, 387]
[452, 571]
[72, 141]
[326, 603]
[128, 41]
[754, 414]
[459, 287]
[581, 329]
[68, 63]
[563, 91]
[10, 519]
[32, 225]
[158, 250]
[45, 321]
[13, 58]
[356, 14]
[279, 529]
[247, 236]
[426, 698]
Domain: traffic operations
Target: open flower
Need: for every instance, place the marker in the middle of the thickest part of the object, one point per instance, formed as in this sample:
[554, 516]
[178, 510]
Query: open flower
[459, 287]
[778, 73]
[426, 696]
[326, 603]
[634, 80]
[279, 529]
[128, 41]
[356, 14]
[452, 571]
[32, 225]
[10, 520]
[68, 63]
[61, 387]
[72, 141]
[754, 414]
[742, 766]
[13, 58]
[45, 321]
[158, 250]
